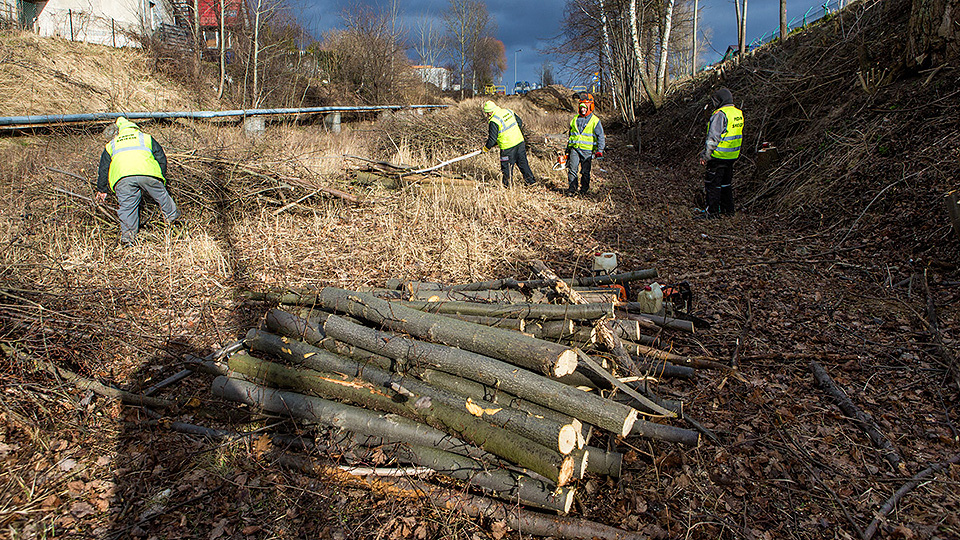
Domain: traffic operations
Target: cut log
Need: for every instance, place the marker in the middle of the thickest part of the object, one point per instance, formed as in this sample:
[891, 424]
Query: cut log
[604, 335]
[600, 461]
[587, 312]
[313, 409]
[558, 329]
[505, 484]
[513, 347]
[511, 283]
[519, 325]
[589, 408]
[633, 308]
[531, 523]
[455, 384]
[862, 421]
[561, 437]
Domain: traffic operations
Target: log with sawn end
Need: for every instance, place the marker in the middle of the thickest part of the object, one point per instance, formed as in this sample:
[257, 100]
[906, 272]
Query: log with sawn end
[585, 312]
[555, 395]
[518, 349]
[558, 436]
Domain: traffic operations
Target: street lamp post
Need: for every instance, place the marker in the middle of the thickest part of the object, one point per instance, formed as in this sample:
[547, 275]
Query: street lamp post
[515, 81]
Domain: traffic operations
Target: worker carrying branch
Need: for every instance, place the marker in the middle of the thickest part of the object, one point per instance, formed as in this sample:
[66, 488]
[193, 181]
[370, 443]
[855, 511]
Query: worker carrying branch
[505, 132]
[720, 151]
[131, 164]
[586, 142]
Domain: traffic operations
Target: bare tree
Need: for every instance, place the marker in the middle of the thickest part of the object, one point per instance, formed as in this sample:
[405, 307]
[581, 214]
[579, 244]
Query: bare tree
[665, 48]
[489, 59]
[467, 22]
[693, 47]
[783, 19]
[546, 74]
[222, 38]
[430, 44]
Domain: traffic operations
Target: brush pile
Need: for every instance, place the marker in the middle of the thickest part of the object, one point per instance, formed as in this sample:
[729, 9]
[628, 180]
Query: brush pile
[485, 382]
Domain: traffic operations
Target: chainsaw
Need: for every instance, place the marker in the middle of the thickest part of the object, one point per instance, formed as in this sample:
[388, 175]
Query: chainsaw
[561, 162]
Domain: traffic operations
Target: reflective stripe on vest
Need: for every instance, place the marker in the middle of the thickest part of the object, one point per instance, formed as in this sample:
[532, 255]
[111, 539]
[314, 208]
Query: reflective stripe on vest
[729, 147]
[583, 140]
[131, 154]
[510, 134]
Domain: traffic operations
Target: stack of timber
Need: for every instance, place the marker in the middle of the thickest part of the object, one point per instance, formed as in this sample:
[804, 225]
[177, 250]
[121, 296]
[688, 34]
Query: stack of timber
[504, 396]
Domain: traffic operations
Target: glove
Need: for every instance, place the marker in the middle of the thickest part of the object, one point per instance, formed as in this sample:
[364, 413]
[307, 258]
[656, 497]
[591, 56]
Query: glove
[598, 154]
[483, 149]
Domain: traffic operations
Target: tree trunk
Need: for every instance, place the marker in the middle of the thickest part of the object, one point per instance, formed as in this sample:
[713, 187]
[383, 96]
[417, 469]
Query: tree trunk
[693, 50]
[223, 51]
[511, 283]
[255, 100]
[600, 461]
[513, 347]
[933, 33]
[664, 49]
[783, 20]
[390, 427]
[638, 57]
[635, 313]
[743, 30]
[587, 407]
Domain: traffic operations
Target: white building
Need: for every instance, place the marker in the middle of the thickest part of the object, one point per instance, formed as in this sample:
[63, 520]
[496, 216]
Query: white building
[107, 22]
[437, 76]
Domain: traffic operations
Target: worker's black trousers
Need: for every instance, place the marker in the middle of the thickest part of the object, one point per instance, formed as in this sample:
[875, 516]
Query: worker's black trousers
[719, 186]
[515, 154]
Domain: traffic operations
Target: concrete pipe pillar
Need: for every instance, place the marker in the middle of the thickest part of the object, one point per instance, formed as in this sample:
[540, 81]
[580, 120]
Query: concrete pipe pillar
[254, 126]
[332, 122]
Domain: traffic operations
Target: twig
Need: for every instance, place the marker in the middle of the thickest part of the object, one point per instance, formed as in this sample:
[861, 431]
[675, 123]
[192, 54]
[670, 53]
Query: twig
[734, 359]
[84, 383]
[906, 488]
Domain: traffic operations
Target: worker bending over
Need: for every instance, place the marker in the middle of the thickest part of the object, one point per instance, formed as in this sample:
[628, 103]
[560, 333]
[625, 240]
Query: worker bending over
[505, 132]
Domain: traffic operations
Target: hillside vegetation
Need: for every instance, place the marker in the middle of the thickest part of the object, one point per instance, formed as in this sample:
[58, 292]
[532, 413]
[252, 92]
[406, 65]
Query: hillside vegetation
[842, 255]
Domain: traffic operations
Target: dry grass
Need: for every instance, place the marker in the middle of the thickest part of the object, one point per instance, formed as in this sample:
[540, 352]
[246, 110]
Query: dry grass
[50, 75]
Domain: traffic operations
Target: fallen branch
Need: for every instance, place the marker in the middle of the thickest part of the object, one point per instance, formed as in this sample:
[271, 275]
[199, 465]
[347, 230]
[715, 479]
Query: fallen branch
[864, 422]
[84, 383]
[906, 488]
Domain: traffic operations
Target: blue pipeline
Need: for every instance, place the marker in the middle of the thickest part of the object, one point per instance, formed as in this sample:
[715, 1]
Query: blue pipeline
[105, 116]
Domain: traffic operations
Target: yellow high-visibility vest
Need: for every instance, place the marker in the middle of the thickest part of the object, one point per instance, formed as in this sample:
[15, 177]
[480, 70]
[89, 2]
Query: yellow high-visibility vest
[729, 147]
[510, 134]
[131, 154]
[583, 140]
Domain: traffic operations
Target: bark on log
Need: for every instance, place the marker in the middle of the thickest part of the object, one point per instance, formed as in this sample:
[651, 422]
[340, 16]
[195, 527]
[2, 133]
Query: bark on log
[633, 312]
[453, 383]
[604, 334]
[589, 408]
[313, 409]
[500, 322]
[524, 521]
[600, 461]
[558, 329]
[505, 484]
[512, 347]
[864, 422]
[561, 437]
[587, 312]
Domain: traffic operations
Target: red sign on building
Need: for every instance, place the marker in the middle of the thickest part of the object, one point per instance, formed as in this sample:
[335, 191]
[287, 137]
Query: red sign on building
[210, 12]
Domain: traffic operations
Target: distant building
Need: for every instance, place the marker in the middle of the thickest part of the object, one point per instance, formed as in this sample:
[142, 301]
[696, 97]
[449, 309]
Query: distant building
[106, 22]
[115, 22]
[437, 76]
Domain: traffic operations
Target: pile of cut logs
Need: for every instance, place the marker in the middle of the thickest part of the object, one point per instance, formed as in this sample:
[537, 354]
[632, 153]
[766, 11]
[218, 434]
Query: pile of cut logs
[484, 382]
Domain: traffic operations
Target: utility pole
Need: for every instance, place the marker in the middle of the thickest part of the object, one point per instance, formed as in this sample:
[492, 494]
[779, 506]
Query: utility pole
[693, 51]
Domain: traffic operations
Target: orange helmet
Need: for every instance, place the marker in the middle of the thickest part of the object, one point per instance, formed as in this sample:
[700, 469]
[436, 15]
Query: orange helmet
[586, 99]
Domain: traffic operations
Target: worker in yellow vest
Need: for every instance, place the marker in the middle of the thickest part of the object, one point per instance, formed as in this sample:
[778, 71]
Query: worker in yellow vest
[131, 164]
[720, 152]
[585, 142]
[504, 131]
